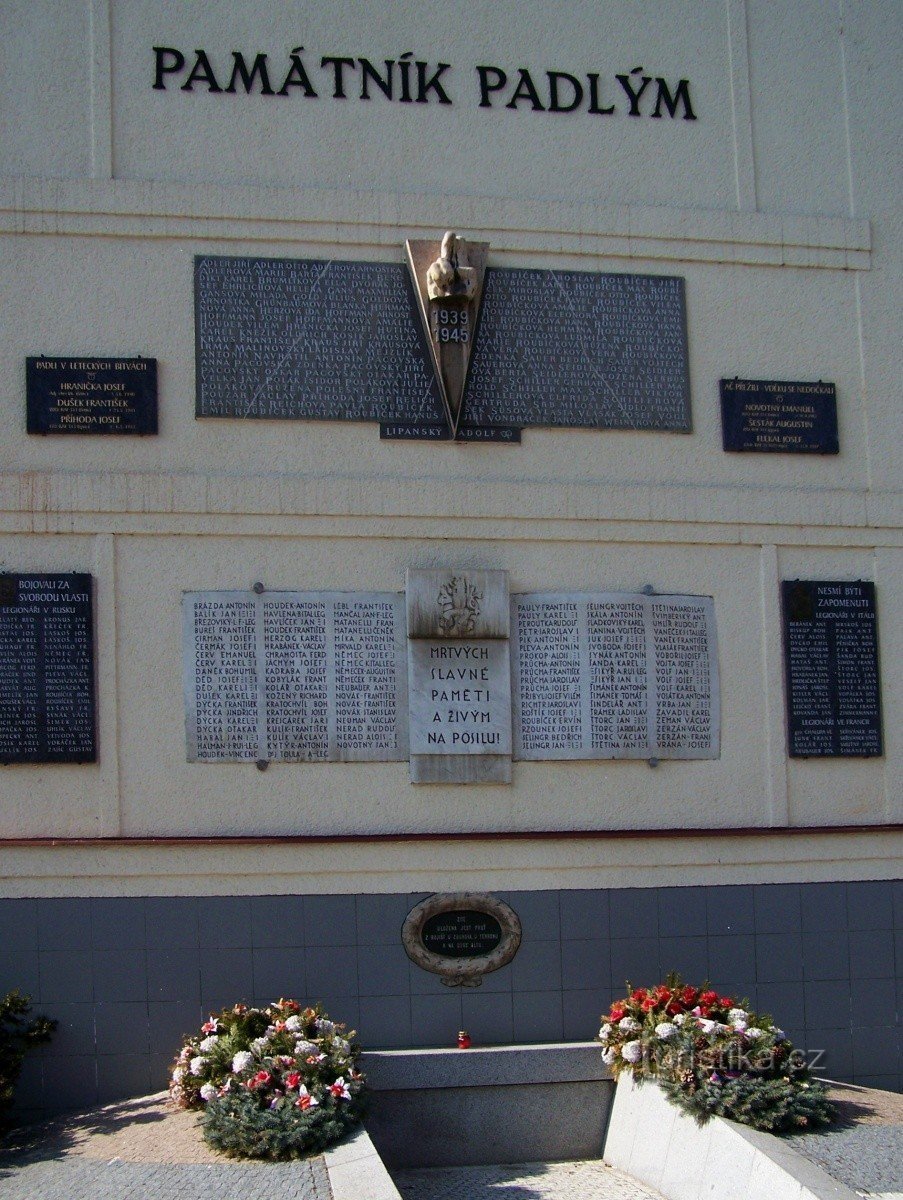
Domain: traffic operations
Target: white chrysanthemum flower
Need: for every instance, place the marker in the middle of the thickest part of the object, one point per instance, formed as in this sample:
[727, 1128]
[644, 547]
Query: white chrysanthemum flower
[197, 1064]
[604, 1032]
[260, 1044]
[632, 1052]
[341, 1046]
[736, 1015]
[208, 1091]
[208, 1043]
[609, 1055]
[754, 1033]
[665, 1030]
[178, 1074]
[707, 1026]
[242, 1060]
[325, 1027]
[628, 1024]
[719, 1028]
[294, 1023]
[680, 1018]
[304, 1047]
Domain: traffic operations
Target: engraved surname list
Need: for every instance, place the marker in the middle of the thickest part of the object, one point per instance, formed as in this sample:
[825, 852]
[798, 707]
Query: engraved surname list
[294, 676]
[295, 671]
[221, 678]
[614, 675]
[546, 651]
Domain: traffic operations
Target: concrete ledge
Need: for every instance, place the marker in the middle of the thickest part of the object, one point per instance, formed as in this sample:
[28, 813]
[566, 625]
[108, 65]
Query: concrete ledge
[356, 1172]
[658, 1144]
[500, 1104]
[490, 1066]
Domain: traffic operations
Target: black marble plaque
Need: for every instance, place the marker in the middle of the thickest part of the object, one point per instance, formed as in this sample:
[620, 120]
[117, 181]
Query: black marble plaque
[91, 395]
[298, 338]
[47, 706]
[779, 418]
[580, 348]
[831, 668]
[461, 933]
[306, 339]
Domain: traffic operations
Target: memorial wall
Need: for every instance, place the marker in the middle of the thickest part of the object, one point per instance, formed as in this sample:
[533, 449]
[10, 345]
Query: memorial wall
[449, 460]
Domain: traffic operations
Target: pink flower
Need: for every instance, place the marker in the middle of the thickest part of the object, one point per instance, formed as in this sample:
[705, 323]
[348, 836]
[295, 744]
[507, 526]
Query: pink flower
[209, 1026]
[293, 1080]
[261, 1079]
[339, 1089]
[305, 1099]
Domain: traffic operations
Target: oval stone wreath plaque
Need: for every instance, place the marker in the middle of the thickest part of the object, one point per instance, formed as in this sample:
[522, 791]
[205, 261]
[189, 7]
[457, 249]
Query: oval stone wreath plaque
[461, 936]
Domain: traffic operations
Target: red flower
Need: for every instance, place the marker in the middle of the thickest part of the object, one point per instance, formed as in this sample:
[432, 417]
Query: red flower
[304, 1102]
[261, 1079]
[726, 1002]
[639, 995]
[649, 1004]
[689, 995]
[662, 993]
[708, 998]
[674, 1008]
[618, 1012]
[292, 1081]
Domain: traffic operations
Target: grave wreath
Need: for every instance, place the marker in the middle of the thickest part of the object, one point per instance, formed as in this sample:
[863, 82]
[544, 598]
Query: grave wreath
[276, 1082]
[713, 1057]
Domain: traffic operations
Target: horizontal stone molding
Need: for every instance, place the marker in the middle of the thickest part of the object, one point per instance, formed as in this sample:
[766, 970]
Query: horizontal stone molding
[48, 500]
[424, 862]
[127, 208]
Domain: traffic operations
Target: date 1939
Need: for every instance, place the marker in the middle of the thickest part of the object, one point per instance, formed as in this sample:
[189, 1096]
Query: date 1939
[450, 324]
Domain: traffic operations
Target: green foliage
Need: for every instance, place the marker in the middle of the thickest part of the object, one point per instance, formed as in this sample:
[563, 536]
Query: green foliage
[768, 1087]
[236, 1124]
[18, 1035]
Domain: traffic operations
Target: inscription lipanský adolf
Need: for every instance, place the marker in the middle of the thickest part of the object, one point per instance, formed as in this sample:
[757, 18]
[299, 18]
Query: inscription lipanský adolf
[777, 417]
[614, 675]
[580, 348]
[295, 676]
[91, 395]
[306, 339]
[47, 704]
[831, 668]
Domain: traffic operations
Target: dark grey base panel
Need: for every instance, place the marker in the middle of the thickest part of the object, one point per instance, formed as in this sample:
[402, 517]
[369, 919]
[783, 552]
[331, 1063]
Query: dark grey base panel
[127, 977]
[508, 1104]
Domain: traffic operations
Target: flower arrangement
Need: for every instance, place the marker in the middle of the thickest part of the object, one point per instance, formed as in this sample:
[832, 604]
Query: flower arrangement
[274, 1082]
[712, 1056]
